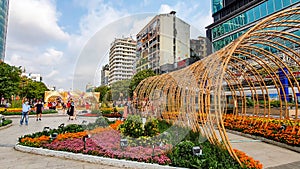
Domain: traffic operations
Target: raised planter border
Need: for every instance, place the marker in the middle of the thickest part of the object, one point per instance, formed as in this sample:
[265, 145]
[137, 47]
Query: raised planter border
[293, 148]
[6, 126]
[122, 163]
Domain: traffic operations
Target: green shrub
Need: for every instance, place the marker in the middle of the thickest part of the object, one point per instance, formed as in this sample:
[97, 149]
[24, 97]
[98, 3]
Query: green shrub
[132, 127]
[275, 103]
[95, 111]
[105, 111]
[6, 122]
[182, 154]
[6, 113]
[73, 128]
[213, 157]
[163, 125]
[101, 122]
[16, 104]
[151, 127]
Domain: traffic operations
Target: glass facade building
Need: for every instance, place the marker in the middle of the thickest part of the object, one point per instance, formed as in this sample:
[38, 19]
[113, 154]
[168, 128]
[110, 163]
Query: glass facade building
[232, 18]
[4, 4]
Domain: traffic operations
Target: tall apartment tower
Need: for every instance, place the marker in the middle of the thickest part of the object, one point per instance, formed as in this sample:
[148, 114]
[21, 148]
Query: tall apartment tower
[4, 5]
[232, 18]
[162, 44]
[105, 75]
[122, 55]
[198, 48]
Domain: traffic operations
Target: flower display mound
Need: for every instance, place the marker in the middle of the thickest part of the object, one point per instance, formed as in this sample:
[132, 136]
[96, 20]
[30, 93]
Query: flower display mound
[283, 131]
[160, 148]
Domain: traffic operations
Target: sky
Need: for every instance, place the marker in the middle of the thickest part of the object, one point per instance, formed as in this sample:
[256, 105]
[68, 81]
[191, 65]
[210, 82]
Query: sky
[67, 41]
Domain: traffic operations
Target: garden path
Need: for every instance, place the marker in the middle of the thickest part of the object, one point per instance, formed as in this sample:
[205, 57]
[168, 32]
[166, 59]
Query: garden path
[12, 159]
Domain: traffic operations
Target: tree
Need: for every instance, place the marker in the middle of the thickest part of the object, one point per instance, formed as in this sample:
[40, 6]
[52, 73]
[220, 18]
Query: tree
[9, 80]
[137, 78]
[32, 89]
[104, 91]
[120, 89]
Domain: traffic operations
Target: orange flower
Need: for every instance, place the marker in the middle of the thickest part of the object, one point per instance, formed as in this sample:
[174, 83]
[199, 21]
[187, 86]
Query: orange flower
[116, 124]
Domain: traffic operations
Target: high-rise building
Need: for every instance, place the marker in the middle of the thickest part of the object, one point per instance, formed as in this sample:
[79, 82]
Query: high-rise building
[122, 55]
[198, 48]
[163, 43]
[4, 5]
[105, 75]
[232, 18]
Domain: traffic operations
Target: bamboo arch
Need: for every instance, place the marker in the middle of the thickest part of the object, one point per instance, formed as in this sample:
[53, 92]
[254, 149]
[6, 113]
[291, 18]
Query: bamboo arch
[247, 68]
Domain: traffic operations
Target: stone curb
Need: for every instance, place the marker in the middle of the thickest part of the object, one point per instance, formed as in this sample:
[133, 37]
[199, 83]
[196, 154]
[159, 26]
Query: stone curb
[91, 159]
[4, 127]
[293, 148]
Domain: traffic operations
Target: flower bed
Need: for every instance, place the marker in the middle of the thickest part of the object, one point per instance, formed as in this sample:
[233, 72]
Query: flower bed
[105, 141]
[284, 131]
[5, 122]
[19, 112]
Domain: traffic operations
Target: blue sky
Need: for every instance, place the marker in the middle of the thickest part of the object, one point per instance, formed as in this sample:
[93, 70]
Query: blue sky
[65, 40]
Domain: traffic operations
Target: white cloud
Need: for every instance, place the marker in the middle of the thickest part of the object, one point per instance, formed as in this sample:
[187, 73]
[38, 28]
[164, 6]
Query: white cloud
[36, 40]
[50, 57]
[52, 74]
[191, 13]
[164, 8]
[34, 22]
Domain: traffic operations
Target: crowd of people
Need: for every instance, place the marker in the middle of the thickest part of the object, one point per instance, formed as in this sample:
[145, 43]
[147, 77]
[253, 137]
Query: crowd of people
[38, 106]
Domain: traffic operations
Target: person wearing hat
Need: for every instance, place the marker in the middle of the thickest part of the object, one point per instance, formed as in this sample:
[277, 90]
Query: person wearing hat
[25, 112]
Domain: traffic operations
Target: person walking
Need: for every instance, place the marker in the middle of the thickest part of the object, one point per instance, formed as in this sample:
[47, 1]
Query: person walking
[25, 112]
[72, 110]
[39, 107]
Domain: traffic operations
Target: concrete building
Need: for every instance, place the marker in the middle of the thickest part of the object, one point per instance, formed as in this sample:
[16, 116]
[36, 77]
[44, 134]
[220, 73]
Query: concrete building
[232, 18]
[162, 43]
[198, 48]
[105, 75]
[122, 55]
[4, 5]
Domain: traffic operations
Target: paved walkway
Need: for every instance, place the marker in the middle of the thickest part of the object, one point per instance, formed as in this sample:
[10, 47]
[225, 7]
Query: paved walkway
[270, 156]
[12, 159]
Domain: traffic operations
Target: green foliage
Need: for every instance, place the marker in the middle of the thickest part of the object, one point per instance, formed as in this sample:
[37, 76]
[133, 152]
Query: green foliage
[120, 89]
[16, 104]
[182, 154]
[249, 102]
[151, 127]
[6, 113]
[9, 80]
[71, 128]
[95, 112]
[213, 157]
[163, 125]
[137, 78]
[32, 89]
[104, 92]
[6, 122]
[106, 111]
[132, 127]
[101, 122]
[275, 103]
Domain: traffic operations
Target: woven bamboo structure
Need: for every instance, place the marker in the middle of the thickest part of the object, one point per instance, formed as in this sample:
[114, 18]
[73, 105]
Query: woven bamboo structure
[246, 69]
